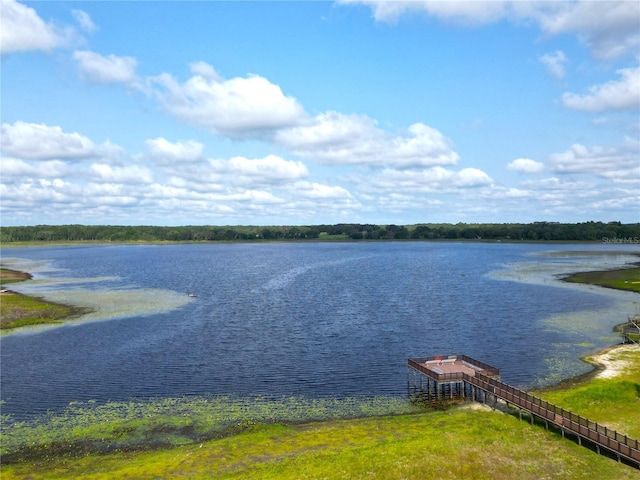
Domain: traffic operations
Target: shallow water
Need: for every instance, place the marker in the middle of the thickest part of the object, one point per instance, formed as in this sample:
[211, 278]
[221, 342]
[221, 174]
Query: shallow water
[305, 319]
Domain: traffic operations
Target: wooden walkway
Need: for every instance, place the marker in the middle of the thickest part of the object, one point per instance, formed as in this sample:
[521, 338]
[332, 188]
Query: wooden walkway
[463, 377]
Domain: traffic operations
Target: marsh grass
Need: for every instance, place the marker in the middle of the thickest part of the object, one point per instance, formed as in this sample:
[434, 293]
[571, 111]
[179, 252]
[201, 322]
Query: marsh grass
[623, 279]
[456, 444]
[130, 426]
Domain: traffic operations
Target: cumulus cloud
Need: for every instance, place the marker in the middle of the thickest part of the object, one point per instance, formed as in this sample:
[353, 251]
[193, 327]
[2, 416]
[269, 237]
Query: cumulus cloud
[555, 63]
[14, 168]
[618, 163]
[476, 12]
[623, 94]
[609, 29]
[268, 171]
[24, 30]
[270, 166]
[238, 107]
[525, 165]
[471, 177]
[314, 190]
[205, 70]
[41, 142]
[429, 180]
[109, 69]
[131, 174]
[336, 138]
[163, 150]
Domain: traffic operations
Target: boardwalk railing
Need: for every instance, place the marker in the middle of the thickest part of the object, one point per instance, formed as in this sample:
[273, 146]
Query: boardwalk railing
[601, 436]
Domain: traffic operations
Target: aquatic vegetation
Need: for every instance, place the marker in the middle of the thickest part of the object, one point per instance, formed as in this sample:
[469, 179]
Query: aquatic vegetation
[88, 427]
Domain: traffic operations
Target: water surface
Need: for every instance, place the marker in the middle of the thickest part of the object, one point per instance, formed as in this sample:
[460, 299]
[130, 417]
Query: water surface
[304, 319]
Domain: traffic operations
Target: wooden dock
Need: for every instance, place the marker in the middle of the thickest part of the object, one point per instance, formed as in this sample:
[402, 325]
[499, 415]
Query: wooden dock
[443, 378]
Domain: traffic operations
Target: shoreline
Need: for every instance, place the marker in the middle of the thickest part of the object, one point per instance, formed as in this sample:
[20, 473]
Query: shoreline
[604, 367]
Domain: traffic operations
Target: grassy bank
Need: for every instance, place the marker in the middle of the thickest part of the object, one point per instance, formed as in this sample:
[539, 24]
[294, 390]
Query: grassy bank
[18, 310]
[611, 396]
[623, 279]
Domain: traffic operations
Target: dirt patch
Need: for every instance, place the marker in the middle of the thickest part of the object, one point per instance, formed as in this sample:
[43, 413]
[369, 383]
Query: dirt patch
[10, 276]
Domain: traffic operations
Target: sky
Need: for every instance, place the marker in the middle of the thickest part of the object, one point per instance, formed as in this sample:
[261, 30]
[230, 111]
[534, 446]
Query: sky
[314, 112]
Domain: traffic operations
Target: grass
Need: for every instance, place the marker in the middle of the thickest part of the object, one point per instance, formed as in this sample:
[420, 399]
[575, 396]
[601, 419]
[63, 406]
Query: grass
[456, 444]
[623, 279]
[20, 311]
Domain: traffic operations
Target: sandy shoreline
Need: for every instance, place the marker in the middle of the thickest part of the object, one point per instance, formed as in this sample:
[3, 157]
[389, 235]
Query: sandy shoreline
[608, 362]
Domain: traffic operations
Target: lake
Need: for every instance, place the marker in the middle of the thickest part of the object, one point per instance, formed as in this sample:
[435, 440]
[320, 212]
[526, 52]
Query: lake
[301, 319]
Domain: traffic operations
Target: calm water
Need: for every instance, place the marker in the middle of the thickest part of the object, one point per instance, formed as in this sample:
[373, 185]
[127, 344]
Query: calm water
[300, 319]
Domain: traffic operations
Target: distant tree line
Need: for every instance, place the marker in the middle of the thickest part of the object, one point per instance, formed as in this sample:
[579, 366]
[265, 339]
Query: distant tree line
[612, 232]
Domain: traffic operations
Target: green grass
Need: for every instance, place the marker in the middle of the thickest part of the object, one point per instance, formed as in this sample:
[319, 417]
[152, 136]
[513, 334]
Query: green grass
[20, 310]
[457, 444]
[624, 279]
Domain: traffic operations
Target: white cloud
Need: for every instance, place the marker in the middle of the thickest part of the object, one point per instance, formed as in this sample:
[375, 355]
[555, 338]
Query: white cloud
[471, 177]
[623, 94]
[314, 190]
[336, 138]
[240, 172]
[554, 183]
[23, 30]
[204, 70]
[132, 174]
[555, 63]
[238, 107]
[41, 142]
[475, 12]
[165, 151]
[109, 69]
[525, 165]
[269, 167]
[608, 28]
[619, 163]
[15, 168]
[431, 180]
[84, 20]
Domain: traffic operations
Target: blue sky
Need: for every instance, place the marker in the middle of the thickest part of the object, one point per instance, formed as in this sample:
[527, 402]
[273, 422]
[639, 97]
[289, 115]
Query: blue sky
[300, 113]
